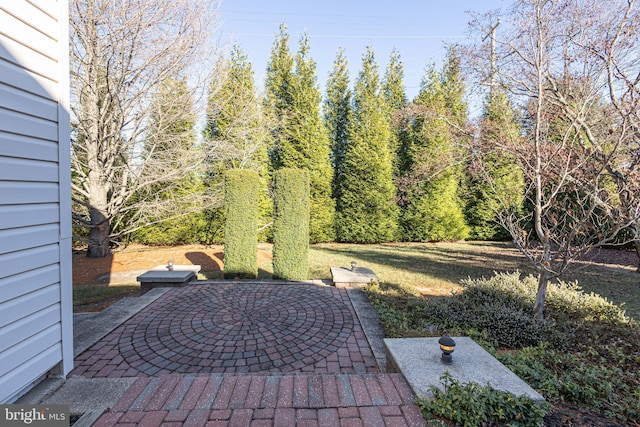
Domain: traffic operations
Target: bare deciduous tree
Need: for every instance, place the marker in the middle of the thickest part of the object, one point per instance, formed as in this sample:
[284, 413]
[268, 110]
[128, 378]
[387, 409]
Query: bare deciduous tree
[122, 52]
[611, 45]
[574, 67]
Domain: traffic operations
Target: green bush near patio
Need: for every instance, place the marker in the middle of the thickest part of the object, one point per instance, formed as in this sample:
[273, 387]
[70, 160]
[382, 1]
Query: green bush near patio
[472, 404]
[291, 224]
[241, 198]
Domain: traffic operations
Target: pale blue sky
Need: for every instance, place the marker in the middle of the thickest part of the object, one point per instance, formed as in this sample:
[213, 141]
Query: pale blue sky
[418, 29]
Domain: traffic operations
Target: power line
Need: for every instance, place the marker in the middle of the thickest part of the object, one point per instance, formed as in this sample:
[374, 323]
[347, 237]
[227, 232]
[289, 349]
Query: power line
[344, 36]
[385, 17]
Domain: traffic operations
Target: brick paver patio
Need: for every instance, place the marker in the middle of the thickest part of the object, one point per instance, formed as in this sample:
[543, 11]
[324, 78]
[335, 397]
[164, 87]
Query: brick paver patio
[247, 354]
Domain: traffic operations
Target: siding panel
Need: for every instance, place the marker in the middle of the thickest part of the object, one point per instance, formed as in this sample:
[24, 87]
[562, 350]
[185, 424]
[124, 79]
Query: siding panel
[27, 260]
[28, 35]
[26, 103]
[23, 124]
[47, 7]
[17, 239]
[14, 192]
[31, 60]
[18, 331]
[35, 199]
[36, 19]
[13, 75]
[14, 216]
[12, 169]
[26, 147]
[24, 376]
[31, 347]
[30, 281]
[25, 305]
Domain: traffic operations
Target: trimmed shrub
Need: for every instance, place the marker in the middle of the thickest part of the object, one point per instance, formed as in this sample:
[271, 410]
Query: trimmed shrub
[241, 194]
[291, 224]
[567, 300]
[497, 310]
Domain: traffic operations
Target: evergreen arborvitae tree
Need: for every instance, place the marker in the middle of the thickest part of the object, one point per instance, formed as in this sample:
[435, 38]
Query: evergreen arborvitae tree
[237, 130]
[367, 212]
[171, 133]
[278, 89]
[432, 207]
[505, 187]
[396, 99]
[393, 84]
[337, 116]
[301, 141]
[234, 117]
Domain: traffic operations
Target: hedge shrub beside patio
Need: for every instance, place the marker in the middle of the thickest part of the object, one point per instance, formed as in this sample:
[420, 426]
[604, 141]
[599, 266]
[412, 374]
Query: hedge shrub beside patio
[291, 224]
[241, 197]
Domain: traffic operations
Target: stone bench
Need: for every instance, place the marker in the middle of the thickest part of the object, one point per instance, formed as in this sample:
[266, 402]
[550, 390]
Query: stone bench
[356, 277]
[160, 276]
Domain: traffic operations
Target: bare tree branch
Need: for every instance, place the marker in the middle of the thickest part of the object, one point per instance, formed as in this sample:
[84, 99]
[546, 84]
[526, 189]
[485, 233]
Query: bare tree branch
[121, 55]
[568, 63]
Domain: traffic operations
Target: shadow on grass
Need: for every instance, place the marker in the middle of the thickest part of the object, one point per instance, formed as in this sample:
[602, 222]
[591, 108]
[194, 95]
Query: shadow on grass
[84, 295]
[205, 261]
[622, 287]
[451, 263]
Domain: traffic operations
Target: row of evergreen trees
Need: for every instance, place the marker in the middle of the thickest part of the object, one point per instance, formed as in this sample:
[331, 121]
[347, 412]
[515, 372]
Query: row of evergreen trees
[381, 168]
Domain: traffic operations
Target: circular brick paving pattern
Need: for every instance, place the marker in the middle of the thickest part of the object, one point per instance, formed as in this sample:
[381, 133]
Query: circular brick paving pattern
[244, 327]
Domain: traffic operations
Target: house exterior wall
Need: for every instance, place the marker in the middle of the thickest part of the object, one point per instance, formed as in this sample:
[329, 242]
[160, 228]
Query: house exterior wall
[36, 312]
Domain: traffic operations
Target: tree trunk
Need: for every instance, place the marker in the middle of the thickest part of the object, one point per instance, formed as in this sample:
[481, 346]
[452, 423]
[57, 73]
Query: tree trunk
[541, 295]
[636, 244]
[99, 235]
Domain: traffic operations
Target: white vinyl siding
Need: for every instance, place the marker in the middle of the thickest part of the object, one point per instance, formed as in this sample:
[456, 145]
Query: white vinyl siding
[14, 216]
[26, 260]
[15, 192]
[14, 334]
[35, 236]
[35, 229]
[28, 170]
[16, 76]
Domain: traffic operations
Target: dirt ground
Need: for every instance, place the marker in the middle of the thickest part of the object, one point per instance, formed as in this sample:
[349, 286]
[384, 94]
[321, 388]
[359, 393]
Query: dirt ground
[135, 258]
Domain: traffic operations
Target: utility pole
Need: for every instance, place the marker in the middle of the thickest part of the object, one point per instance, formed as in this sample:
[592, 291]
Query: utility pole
[492, 58]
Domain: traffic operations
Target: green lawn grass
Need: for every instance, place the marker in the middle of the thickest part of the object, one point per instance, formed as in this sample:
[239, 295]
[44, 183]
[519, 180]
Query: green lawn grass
[430, 268]
[89, 294]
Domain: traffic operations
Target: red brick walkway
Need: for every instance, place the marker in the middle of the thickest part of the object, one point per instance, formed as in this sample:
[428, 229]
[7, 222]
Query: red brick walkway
[248, 355]
[367, 400]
